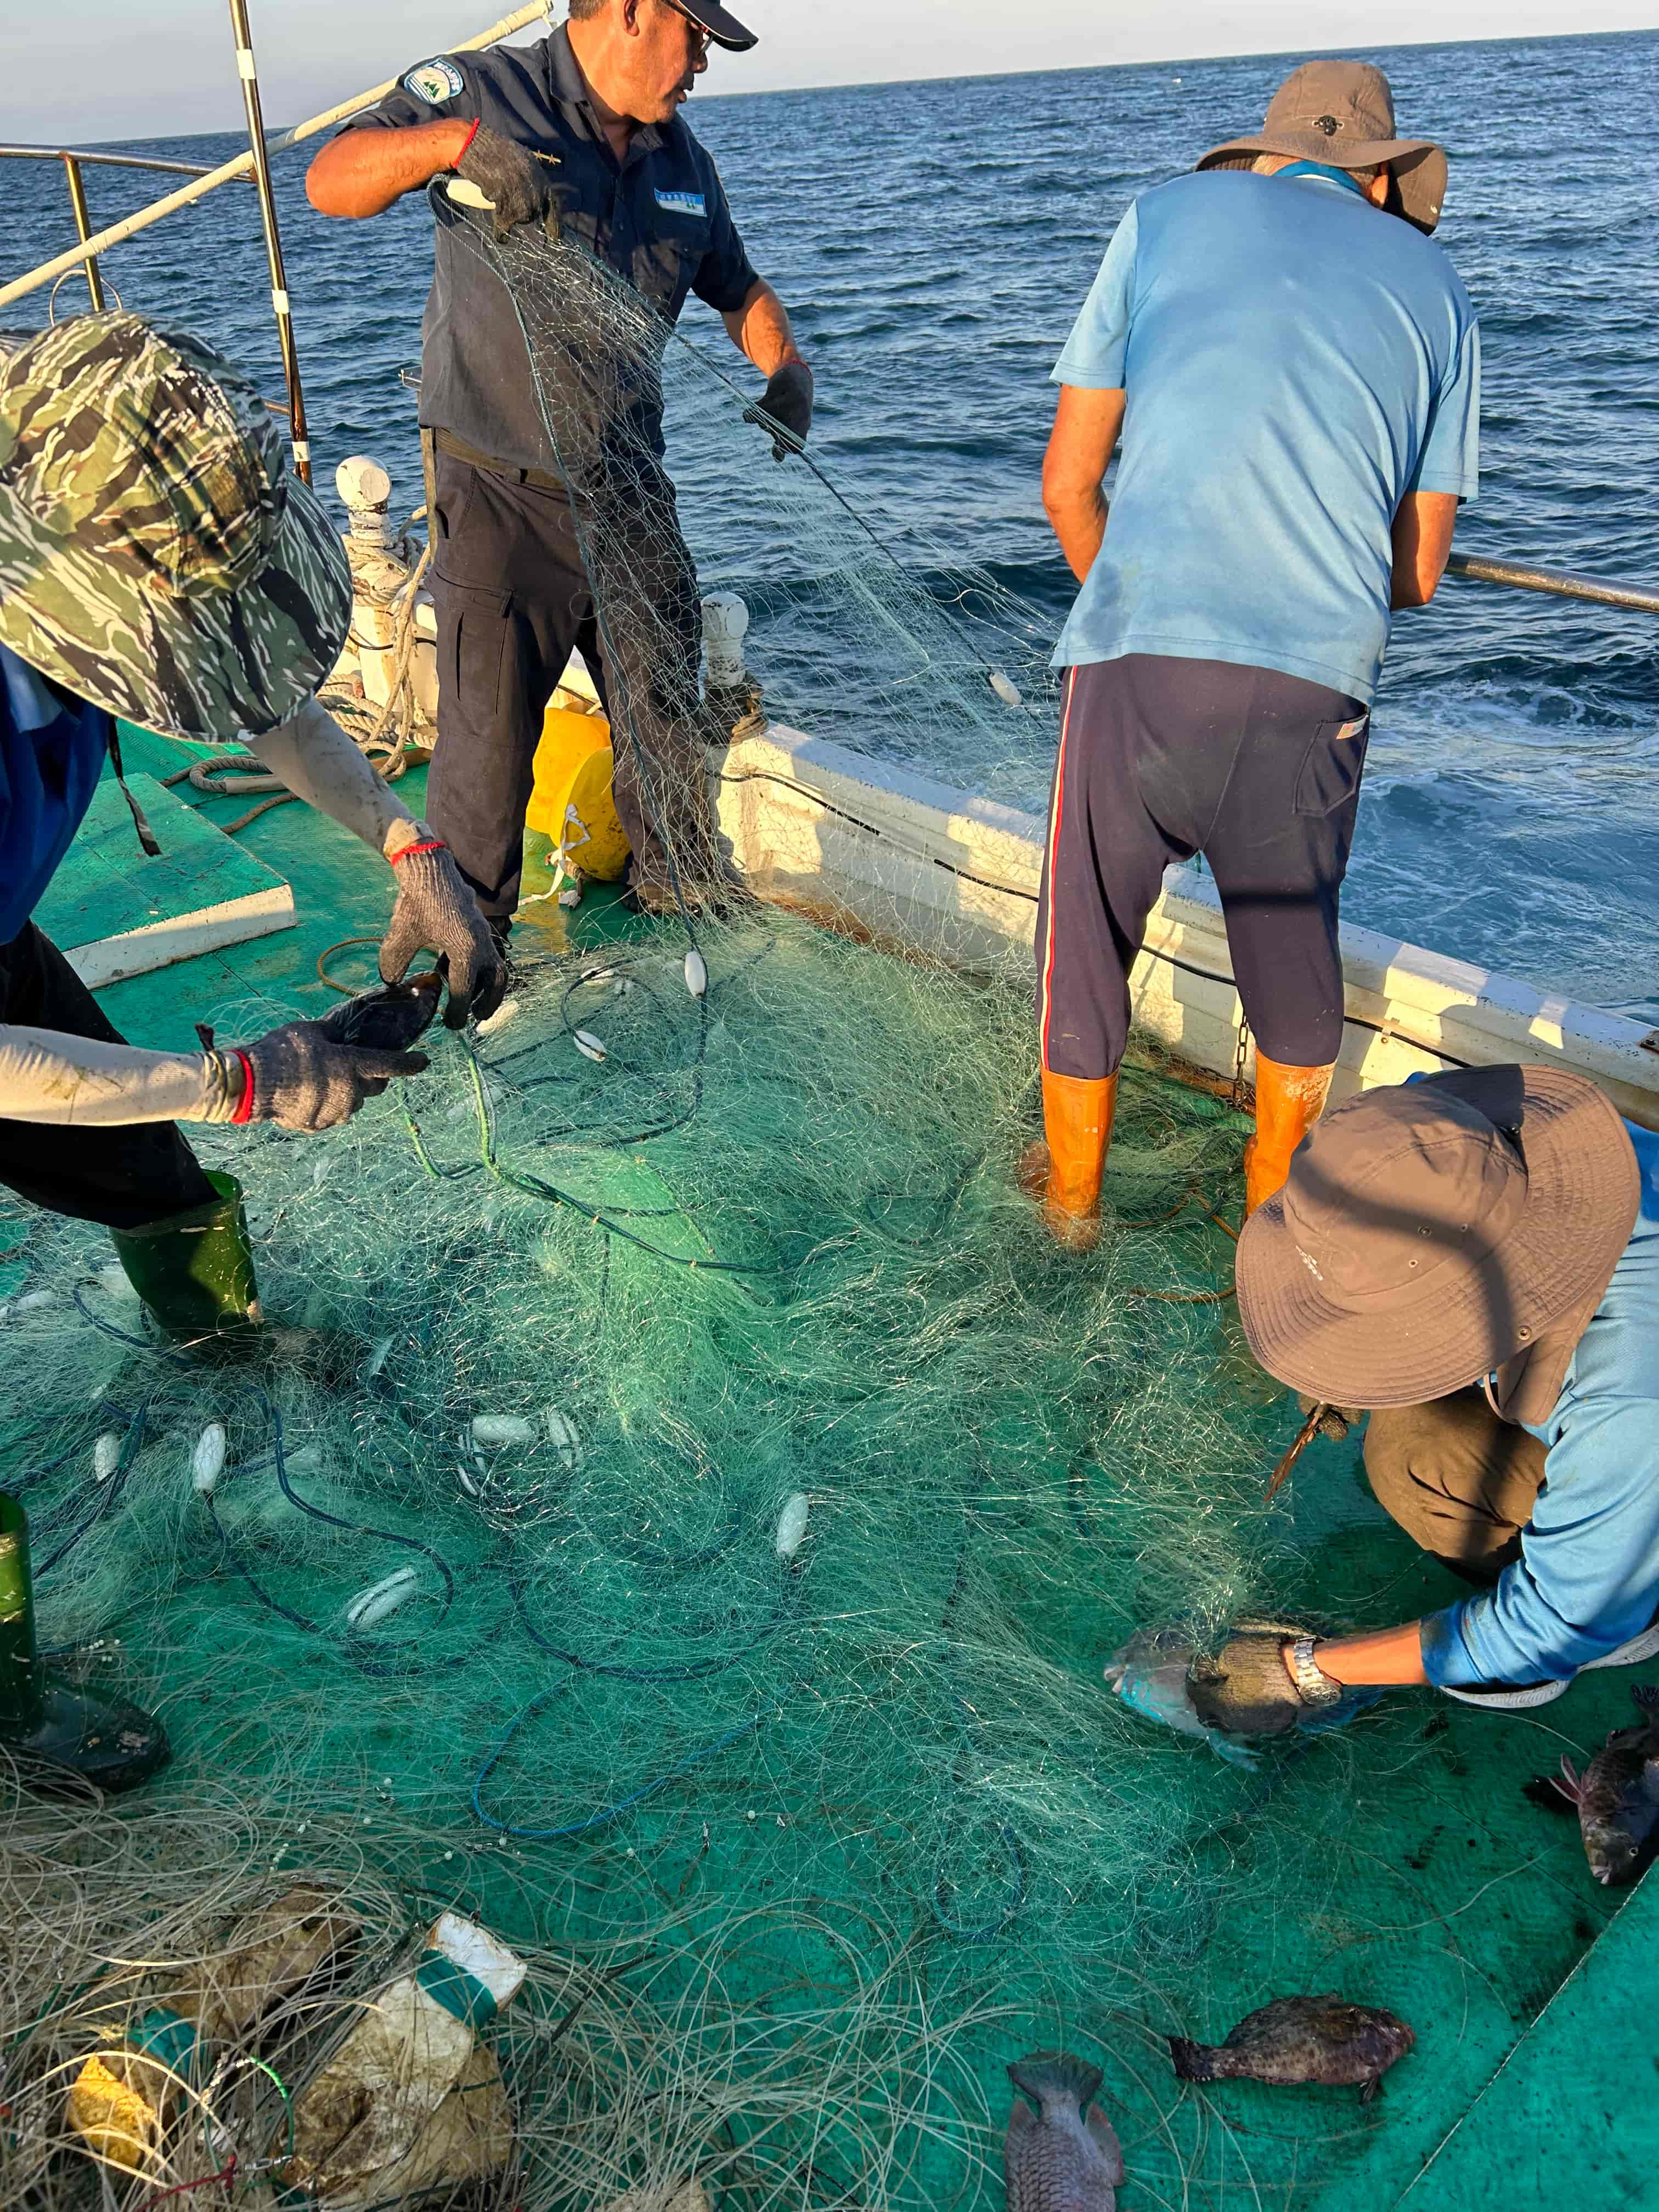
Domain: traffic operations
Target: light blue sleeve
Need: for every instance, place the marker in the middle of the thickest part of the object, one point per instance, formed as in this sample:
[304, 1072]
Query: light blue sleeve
[1450, 459]
[1588, 1578]
[1091, 359]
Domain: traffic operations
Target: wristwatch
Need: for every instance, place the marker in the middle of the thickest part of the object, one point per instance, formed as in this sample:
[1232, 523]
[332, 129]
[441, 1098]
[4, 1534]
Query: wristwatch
[1314, 1686]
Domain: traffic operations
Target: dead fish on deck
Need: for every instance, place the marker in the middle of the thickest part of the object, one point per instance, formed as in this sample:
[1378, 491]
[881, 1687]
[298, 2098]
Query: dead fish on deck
[1068, 2161]
[1618, 1796]
[1324, 2039]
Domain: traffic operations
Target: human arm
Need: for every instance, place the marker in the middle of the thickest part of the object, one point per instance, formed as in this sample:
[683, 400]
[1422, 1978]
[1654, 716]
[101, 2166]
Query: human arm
[1252, 1687]
[1423, 527]
[1448, 471]
[1092, 373]
[1086, 431]
[1588, 1577]
[362, 172]
[760, 328]
[296, 1075]
[435, 910]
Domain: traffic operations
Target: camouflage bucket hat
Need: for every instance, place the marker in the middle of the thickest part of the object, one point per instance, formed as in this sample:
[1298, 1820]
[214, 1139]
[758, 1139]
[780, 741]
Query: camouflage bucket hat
[157, 557]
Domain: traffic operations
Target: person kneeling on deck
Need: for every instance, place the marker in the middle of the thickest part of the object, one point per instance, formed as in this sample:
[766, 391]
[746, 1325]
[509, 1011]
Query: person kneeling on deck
[580, 134]
[1475, 1257]
[1294, 367]
[158, 562]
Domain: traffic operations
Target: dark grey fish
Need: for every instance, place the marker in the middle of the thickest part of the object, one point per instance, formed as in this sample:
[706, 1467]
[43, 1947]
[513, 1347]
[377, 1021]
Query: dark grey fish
[388, 1018]
[1292, 2039]
[1068, 2159]
[1618, 1798]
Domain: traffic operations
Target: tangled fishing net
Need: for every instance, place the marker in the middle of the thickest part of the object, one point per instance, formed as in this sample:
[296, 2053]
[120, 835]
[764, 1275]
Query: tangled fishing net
[680, 1523]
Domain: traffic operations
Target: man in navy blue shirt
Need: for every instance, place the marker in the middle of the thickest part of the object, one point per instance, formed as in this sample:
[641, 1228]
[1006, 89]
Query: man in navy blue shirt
[582, 135]
[1294, 369]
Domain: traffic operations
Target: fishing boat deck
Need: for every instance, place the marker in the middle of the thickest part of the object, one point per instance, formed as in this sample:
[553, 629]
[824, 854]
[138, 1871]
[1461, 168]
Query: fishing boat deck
[1468, 1910]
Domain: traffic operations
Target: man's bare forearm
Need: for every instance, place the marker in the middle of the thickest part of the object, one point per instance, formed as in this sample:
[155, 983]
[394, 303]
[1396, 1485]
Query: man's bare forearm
[1080, 525]
[1381, 1660]
[362, 173]
[760, 328]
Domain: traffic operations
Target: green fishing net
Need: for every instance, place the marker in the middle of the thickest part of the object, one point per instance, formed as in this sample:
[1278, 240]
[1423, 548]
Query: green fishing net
[682, 1517]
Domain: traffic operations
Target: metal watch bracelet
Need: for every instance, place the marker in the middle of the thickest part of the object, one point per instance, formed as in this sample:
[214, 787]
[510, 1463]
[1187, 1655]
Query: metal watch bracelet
[1314, 1686]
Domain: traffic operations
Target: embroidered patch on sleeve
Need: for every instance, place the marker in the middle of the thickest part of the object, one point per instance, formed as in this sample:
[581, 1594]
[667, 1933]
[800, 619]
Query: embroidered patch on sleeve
[436, 81]
[682, 203]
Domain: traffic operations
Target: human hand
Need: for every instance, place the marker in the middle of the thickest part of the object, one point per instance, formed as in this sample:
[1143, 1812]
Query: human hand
[521, 186]
[784, 408]
[1336, 1421]
[437, 912]
[298, 1077]
[1246, 1689]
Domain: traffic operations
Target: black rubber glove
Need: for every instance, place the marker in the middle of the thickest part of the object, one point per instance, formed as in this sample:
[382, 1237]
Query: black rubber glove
[785, 408]
[436, 912]
[1245, 1690]
[298, 1077]
[521, 186]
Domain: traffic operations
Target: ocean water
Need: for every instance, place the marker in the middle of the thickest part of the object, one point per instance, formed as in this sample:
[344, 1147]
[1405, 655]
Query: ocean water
[935, 241]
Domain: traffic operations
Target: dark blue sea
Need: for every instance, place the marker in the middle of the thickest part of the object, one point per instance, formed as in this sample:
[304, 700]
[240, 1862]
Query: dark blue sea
[934, 242]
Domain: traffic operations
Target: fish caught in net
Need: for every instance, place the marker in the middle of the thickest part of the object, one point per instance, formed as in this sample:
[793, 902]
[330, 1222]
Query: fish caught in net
[683, 1510]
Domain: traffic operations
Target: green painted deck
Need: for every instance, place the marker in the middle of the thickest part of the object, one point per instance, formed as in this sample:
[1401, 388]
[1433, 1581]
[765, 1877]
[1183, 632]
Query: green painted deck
[1434, 1886]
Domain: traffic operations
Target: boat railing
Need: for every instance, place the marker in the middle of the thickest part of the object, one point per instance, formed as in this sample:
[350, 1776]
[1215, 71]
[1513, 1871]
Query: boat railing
[254, 164]
[75, 159]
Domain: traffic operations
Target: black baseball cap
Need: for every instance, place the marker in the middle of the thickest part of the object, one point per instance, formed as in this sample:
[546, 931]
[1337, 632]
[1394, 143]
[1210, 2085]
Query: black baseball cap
[721, 25]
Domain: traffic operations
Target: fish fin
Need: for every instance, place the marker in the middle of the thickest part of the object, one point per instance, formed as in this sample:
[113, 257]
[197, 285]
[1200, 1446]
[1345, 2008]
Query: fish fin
[1105, 2137]
[1551, 1794]
[1646, 1695]
[1572, 1784]
[1021, 2121]
[1369, 2090]
[1056, 2073]
[1193, 2062]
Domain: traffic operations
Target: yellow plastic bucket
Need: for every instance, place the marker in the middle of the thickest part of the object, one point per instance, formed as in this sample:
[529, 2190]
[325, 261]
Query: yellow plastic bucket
[571, 802]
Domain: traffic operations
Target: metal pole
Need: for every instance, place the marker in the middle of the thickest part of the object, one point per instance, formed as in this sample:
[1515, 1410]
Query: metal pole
[83, 231]
[279, 299]
[243, 164]
[1561, 582]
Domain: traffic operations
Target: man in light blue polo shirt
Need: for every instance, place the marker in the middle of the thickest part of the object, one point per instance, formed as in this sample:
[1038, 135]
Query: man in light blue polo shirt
[1294, 369]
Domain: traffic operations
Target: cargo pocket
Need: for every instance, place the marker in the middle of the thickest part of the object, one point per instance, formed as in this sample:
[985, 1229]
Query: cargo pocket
[475, 648]
[1334, 762]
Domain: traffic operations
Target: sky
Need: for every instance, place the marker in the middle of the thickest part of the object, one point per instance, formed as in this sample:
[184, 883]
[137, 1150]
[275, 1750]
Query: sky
[104, 69]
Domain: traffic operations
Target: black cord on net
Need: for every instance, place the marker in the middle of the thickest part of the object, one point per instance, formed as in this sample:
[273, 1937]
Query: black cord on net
[605, 1218]
[697, 1670]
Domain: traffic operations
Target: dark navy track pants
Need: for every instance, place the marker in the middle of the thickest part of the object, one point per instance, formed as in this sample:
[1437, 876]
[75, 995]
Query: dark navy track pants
[513, 598]
[1159, 759]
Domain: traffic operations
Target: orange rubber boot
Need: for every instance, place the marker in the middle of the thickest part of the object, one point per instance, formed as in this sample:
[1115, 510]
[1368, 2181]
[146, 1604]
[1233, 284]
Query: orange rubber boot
[1064, 1170]
[1288, 1102]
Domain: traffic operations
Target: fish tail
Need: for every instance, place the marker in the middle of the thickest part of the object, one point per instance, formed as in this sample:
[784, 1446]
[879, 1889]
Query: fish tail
[1646, 1695]
[1056, 2073]
[1194, 2061]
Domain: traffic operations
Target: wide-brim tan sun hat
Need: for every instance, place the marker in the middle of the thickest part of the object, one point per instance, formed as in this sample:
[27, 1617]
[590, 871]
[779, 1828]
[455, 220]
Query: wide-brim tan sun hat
[1341, 113]
[157, 556]
[1435, 1233]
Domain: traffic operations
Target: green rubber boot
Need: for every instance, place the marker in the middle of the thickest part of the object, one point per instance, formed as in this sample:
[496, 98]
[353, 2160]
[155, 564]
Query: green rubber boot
[55, 1728]
[195, 1271]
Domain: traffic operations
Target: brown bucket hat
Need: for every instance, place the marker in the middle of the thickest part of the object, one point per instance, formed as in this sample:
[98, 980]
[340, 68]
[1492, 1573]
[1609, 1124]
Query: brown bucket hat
[1341, 113]
[1435, 1234]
